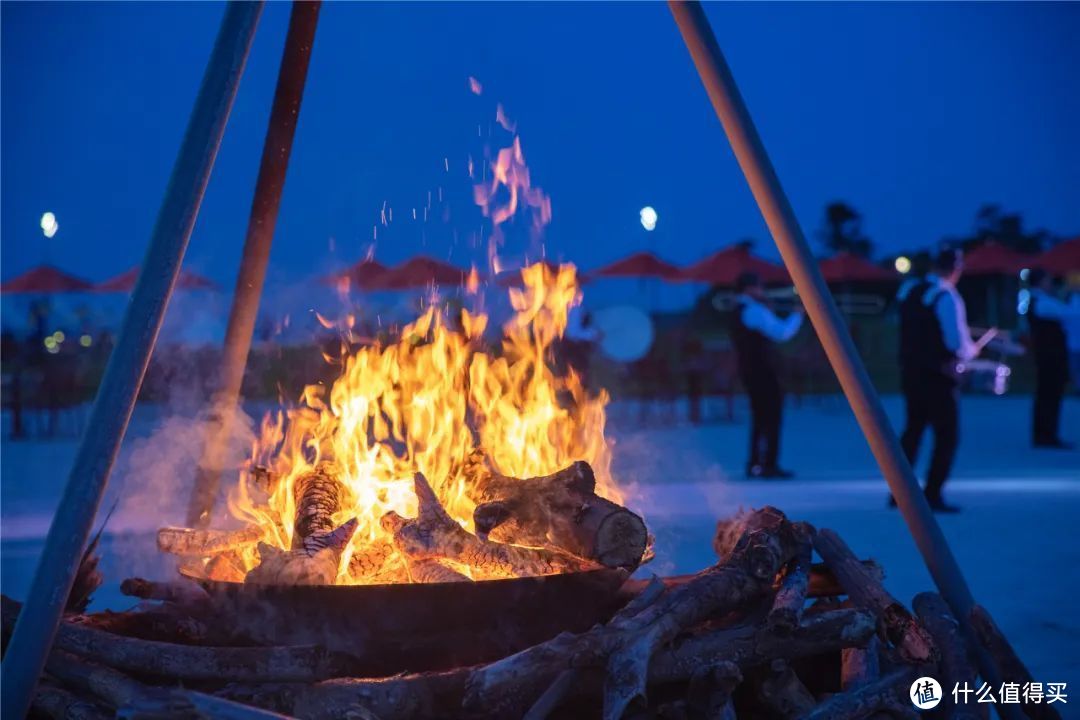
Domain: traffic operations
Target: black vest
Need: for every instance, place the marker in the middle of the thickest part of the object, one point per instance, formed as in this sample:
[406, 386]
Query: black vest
[922, 342]
[1047, 340]
[753, 349]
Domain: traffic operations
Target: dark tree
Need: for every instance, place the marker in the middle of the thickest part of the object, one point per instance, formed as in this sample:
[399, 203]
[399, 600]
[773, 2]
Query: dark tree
[991, 223]
[842, 231]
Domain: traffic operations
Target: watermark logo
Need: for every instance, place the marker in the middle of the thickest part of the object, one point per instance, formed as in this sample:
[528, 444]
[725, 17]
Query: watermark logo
[925, 693]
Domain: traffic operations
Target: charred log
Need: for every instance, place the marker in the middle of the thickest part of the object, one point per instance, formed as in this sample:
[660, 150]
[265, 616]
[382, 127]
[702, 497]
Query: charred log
[318, 495]
[204, 543]
[434, 535]
[559, 510]
[315, 561]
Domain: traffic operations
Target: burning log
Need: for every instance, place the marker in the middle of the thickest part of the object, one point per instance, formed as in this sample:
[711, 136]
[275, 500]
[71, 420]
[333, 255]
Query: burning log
[904, 631]
[434, 535]
[560, 510]
[318, 495]
[315, 562]
[204, 543]
[433, 571]
[226, 567]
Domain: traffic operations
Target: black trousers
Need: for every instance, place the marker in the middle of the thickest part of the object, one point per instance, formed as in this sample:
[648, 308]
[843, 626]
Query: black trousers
[932, 401]
[1050, 382]
[766, 409]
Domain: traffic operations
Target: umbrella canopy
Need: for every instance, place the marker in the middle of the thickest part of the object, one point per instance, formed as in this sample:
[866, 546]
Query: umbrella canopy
[420, 271]
[847, 267]
[125, 282]
[642, 264]
[724, 268]
[512, 277]
[364, 275]
[993, 258]
[1062, 258]
[45, 279]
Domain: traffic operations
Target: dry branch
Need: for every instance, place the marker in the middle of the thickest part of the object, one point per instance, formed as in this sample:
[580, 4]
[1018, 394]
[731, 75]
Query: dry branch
[180, 592]
[708, 693]
[434, 535]
[904, 631]
[59, 704]
[783, 693]
[627, 643]
[559, 510]
[189, 662]
[1009, 665]
[956, 665]
[788, 604]
[203, 543]
[888, 694]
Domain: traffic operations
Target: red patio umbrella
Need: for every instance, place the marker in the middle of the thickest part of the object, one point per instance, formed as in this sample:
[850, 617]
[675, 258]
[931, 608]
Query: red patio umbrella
[420, 271]
[45, 279]
[724, 268]
[642, 264]
[512, 277]
[364, 275]
[125, 282]
[847, 267]
[1062, 258]
[993, 258]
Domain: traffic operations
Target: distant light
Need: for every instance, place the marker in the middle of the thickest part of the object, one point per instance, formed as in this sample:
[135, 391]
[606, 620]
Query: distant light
[648, 218]
[1023, 301]
[49, 225]
[58, 336]
[902, 265]
[86, 340]
[50, 342]
[1024, 274]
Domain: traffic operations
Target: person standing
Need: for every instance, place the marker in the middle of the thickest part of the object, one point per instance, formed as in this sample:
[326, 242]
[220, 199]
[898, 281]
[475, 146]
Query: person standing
[934, 340]
[755, 329]
[1047, 315]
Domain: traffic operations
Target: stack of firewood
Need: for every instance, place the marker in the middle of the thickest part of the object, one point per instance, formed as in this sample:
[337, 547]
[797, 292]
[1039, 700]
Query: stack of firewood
[764, 633]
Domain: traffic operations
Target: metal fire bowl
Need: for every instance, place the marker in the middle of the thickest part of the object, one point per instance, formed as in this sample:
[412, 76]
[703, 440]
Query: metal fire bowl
[413, 627]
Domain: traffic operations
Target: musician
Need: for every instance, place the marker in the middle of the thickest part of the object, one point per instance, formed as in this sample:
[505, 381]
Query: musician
[1047, 316]
[934, 338]
[754, 331]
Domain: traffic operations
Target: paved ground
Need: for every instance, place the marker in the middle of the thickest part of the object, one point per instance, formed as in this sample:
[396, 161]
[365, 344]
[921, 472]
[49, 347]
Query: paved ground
[1016, 538]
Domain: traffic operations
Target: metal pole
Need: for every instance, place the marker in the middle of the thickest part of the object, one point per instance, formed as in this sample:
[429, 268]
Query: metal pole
[249, 281]
[36, 626]
[731, 109]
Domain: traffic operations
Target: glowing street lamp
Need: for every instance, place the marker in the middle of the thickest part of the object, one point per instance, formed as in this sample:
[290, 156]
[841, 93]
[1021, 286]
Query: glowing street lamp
[902, 265]
[49, 225]
[648, 218]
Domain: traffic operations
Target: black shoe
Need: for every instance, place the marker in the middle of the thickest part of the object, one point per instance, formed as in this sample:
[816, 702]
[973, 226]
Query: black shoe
[768, 472]
[776, 472]
[940, 506]
[1056, 444]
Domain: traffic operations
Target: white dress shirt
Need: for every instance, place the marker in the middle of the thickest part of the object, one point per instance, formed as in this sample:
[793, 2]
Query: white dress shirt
[758, 317]
[1048, 307]
[952, 315]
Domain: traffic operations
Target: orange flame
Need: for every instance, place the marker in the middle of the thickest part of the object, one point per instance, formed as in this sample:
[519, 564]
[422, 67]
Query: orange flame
[425, 404]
